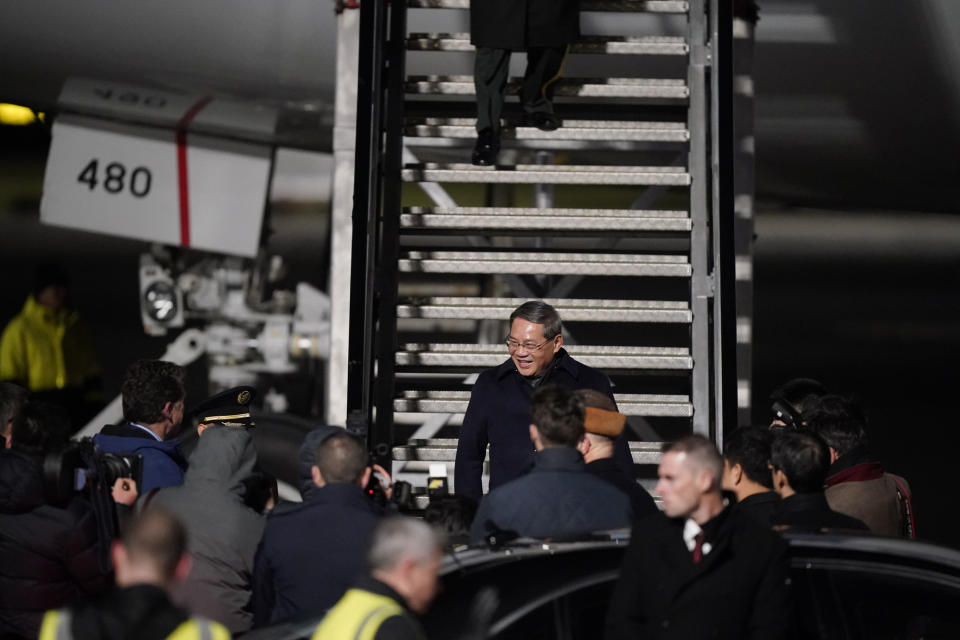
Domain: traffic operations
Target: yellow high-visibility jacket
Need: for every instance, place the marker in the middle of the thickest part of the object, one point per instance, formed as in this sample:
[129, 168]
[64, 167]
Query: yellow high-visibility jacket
[357, 616]
[56, 626]
[45, 350]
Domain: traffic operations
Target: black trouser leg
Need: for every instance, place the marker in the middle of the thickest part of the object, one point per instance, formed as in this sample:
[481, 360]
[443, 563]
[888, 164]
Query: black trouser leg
[544, 65]
[490, 78]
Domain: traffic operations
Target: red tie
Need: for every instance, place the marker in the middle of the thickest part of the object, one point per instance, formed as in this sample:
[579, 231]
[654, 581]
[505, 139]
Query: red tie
[698, 547]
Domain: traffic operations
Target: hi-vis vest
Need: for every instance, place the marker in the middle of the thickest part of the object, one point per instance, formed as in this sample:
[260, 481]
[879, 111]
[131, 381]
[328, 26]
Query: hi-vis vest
[357, 616]
[56, 626]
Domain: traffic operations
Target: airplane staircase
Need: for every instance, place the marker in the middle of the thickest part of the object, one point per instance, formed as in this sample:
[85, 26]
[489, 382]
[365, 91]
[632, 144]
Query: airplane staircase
[622, 219]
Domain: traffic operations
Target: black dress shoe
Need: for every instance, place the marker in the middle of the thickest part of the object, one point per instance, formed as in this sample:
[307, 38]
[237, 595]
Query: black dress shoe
[486, 150]
[544, 120]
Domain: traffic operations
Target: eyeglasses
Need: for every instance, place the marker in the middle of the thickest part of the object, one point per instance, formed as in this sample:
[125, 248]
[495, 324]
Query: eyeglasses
[513, 345]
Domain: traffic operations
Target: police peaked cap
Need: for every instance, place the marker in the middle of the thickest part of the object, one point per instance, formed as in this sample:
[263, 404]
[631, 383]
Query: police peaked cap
[227, 407]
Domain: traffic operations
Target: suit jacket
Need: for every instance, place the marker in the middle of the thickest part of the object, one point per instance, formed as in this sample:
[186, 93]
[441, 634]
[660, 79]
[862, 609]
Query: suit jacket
[499, 414]
[557, 499]
[738, 590]
[163, 461]
[760, 507]
[810, 512]
[518, 24]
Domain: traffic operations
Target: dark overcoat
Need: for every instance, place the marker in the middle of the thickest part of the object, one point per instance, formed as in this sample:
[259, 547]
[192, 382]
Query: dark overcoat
[737, 591]
[499, 414]
[310, 555]
[557, 499]
[519, 24]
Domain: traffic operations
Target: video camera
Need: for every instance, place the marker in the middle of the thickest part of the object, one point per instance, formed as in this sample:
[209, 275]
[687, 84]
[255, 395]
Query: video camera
[82, 465]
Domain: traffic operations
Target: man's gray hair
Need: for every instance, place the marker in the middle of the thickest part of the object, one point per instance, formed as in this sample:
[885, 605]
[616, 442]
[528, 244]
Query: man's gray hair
[539, 312]
[399, 538]
[702, 454]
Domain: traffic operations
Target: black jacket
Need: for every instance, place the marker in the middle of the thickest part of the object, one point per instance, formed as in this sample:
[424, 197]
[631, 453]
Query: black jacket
[140, 611]
[608, 470]
[760, 506]
[738, 590]
[499, 414]
[519, 24]
[557, 499]
[810, 512]
[48, 554]
[310, 555]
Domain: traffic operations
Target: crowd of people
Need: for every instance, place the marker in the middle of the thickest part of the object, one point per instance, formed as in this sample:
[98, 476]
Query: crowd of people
[199, 545]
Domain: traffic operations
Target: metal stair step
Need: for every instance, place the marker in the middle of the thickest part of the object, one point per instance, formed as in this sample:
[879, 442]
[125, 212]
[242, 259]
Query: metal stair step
[544, 263]
[578, 130]
[489, 355]
[625, 45]
[545, 174]
[445, 450]
[518, 218]
[565, 87]
[647, 6]
[572, 309]
[455, 402]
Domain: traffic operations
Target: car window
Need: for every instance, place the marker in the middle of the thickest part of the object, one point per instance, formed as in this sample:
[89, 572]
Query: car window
[876, 602]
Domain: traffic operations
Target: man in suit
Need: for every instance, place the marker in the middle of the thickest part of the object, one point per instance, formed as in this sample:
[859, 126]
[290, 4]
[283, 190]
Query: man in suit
[603, 425]
[153, 399]
[542, 28]
[799, 463]
[499, 409]
[700, 569]
[746, 472]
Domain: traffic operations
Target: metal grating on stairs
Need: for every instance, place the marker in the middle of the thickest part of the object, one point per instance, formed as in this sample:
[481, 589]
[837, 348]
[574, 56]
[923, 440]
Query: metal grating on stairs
[615, 219]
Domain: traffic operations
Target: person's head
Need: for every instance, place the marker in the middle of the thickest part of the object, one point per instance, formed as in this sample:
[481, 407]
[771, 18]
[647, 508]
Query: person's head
[840, 422]
[50, 284]
[12, 399]
[689, 479]
[260, 491]
[557, 416]
[153, 396]
[746, 456]
[40, 427]
[153, 550]
[535, 337]
[791, 399]
[341, 459]
[602, 424]
[798, 463]
[452, 514]
[307, 457]
[406, 554]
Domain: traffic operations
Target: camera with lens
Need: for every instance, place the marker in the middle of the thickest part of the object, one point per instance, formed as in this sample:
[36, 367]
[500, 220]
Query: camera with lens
[82, 466]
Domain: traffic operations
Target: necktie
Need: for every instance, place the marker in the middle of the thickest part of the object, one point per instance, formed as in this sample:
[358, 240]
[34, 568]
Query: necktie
[698, 547]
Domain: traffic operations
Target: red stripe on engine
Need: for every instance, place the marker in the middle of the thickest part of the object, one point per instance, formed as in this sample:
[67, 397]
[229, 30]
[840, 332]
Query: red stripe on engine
[183, 181]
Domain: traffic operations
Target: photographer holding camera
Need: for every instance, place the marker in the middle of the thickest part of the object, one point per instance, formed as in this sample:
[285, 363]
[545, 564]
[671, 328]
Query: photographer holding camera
[153, 397]
[49, 552]
[311, 554]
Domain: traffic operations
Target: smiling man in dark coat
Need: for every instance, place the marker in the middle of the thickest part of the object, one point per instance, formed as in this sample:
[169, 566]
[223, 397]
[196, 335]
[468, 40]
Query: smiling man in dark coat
[499, 409]
[542, 28]
[700, 569]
